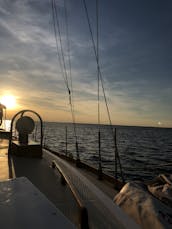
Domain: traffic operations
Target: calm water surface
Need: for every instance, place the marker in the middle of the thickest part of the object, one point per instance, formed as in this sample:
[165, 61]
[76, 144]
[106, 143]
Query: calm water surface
[144, 151]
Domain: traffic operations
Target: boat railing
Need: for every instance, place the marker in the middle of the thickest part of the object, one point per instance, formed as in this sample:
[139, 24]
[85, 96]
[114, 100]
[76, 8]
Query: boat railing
[83, 217]
[117, 183]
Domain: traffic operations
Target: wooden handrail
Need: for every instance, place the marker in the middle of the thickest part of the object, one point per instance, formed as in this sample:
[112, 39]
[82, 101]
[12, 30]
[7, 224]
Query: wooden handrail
[83, 209]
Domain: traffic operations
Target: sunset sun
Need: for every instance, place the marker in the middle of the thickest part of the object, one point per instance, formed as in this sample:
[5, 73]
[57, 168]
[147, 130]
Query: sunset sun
[9, 101]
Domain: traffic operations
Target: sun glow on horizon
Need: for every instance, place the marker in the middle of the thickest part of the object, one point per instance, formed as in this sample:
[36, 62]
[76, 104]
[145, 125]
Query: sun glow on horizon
[9, 101]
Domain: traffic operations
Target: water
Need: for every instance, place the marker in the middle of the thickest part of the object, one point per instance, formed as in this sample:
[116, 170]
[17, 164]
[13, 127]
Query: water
[143, 150]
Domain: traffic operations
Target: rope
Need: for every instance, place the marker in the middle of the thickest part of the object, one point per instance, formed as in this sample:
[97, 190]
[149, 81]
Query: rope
[70, 77]
[68, 43]
[57, 48]
[98, 72]
[98, 94]
[117, 158]
[97, 61]
[63, 66]
[103, 89]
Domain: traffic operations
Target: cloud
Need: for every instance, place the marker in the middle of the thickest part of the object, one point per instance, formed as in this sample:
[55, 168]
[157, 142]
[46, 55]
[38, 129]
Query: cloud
[135, 56]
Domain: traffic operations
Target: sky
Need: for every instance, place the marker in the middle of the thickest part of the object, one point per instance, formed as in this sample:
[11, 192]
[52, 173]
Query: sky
[135, 54]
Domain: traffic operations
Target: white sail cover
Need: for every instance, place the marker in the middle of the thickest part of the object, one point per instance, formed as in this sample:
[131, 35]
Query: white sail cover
[148, 211]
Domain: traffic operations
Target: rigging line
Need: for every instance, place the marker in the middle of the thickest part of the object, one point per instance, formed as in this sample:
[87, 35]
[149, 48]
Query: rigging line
[98, 92]
[117, 157]
[68, 42]
[65, 70]
[70, 72]
[69, 61]
[57, 47]
[101, 79]
[98, 72]
[97, 61]
[116, 163]
[65, 74]
[62, 52]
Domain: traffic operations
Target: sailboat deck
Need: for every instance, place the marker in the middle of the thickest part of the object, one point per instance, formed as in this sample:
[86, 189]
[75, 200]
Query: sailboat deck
[96, 195]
